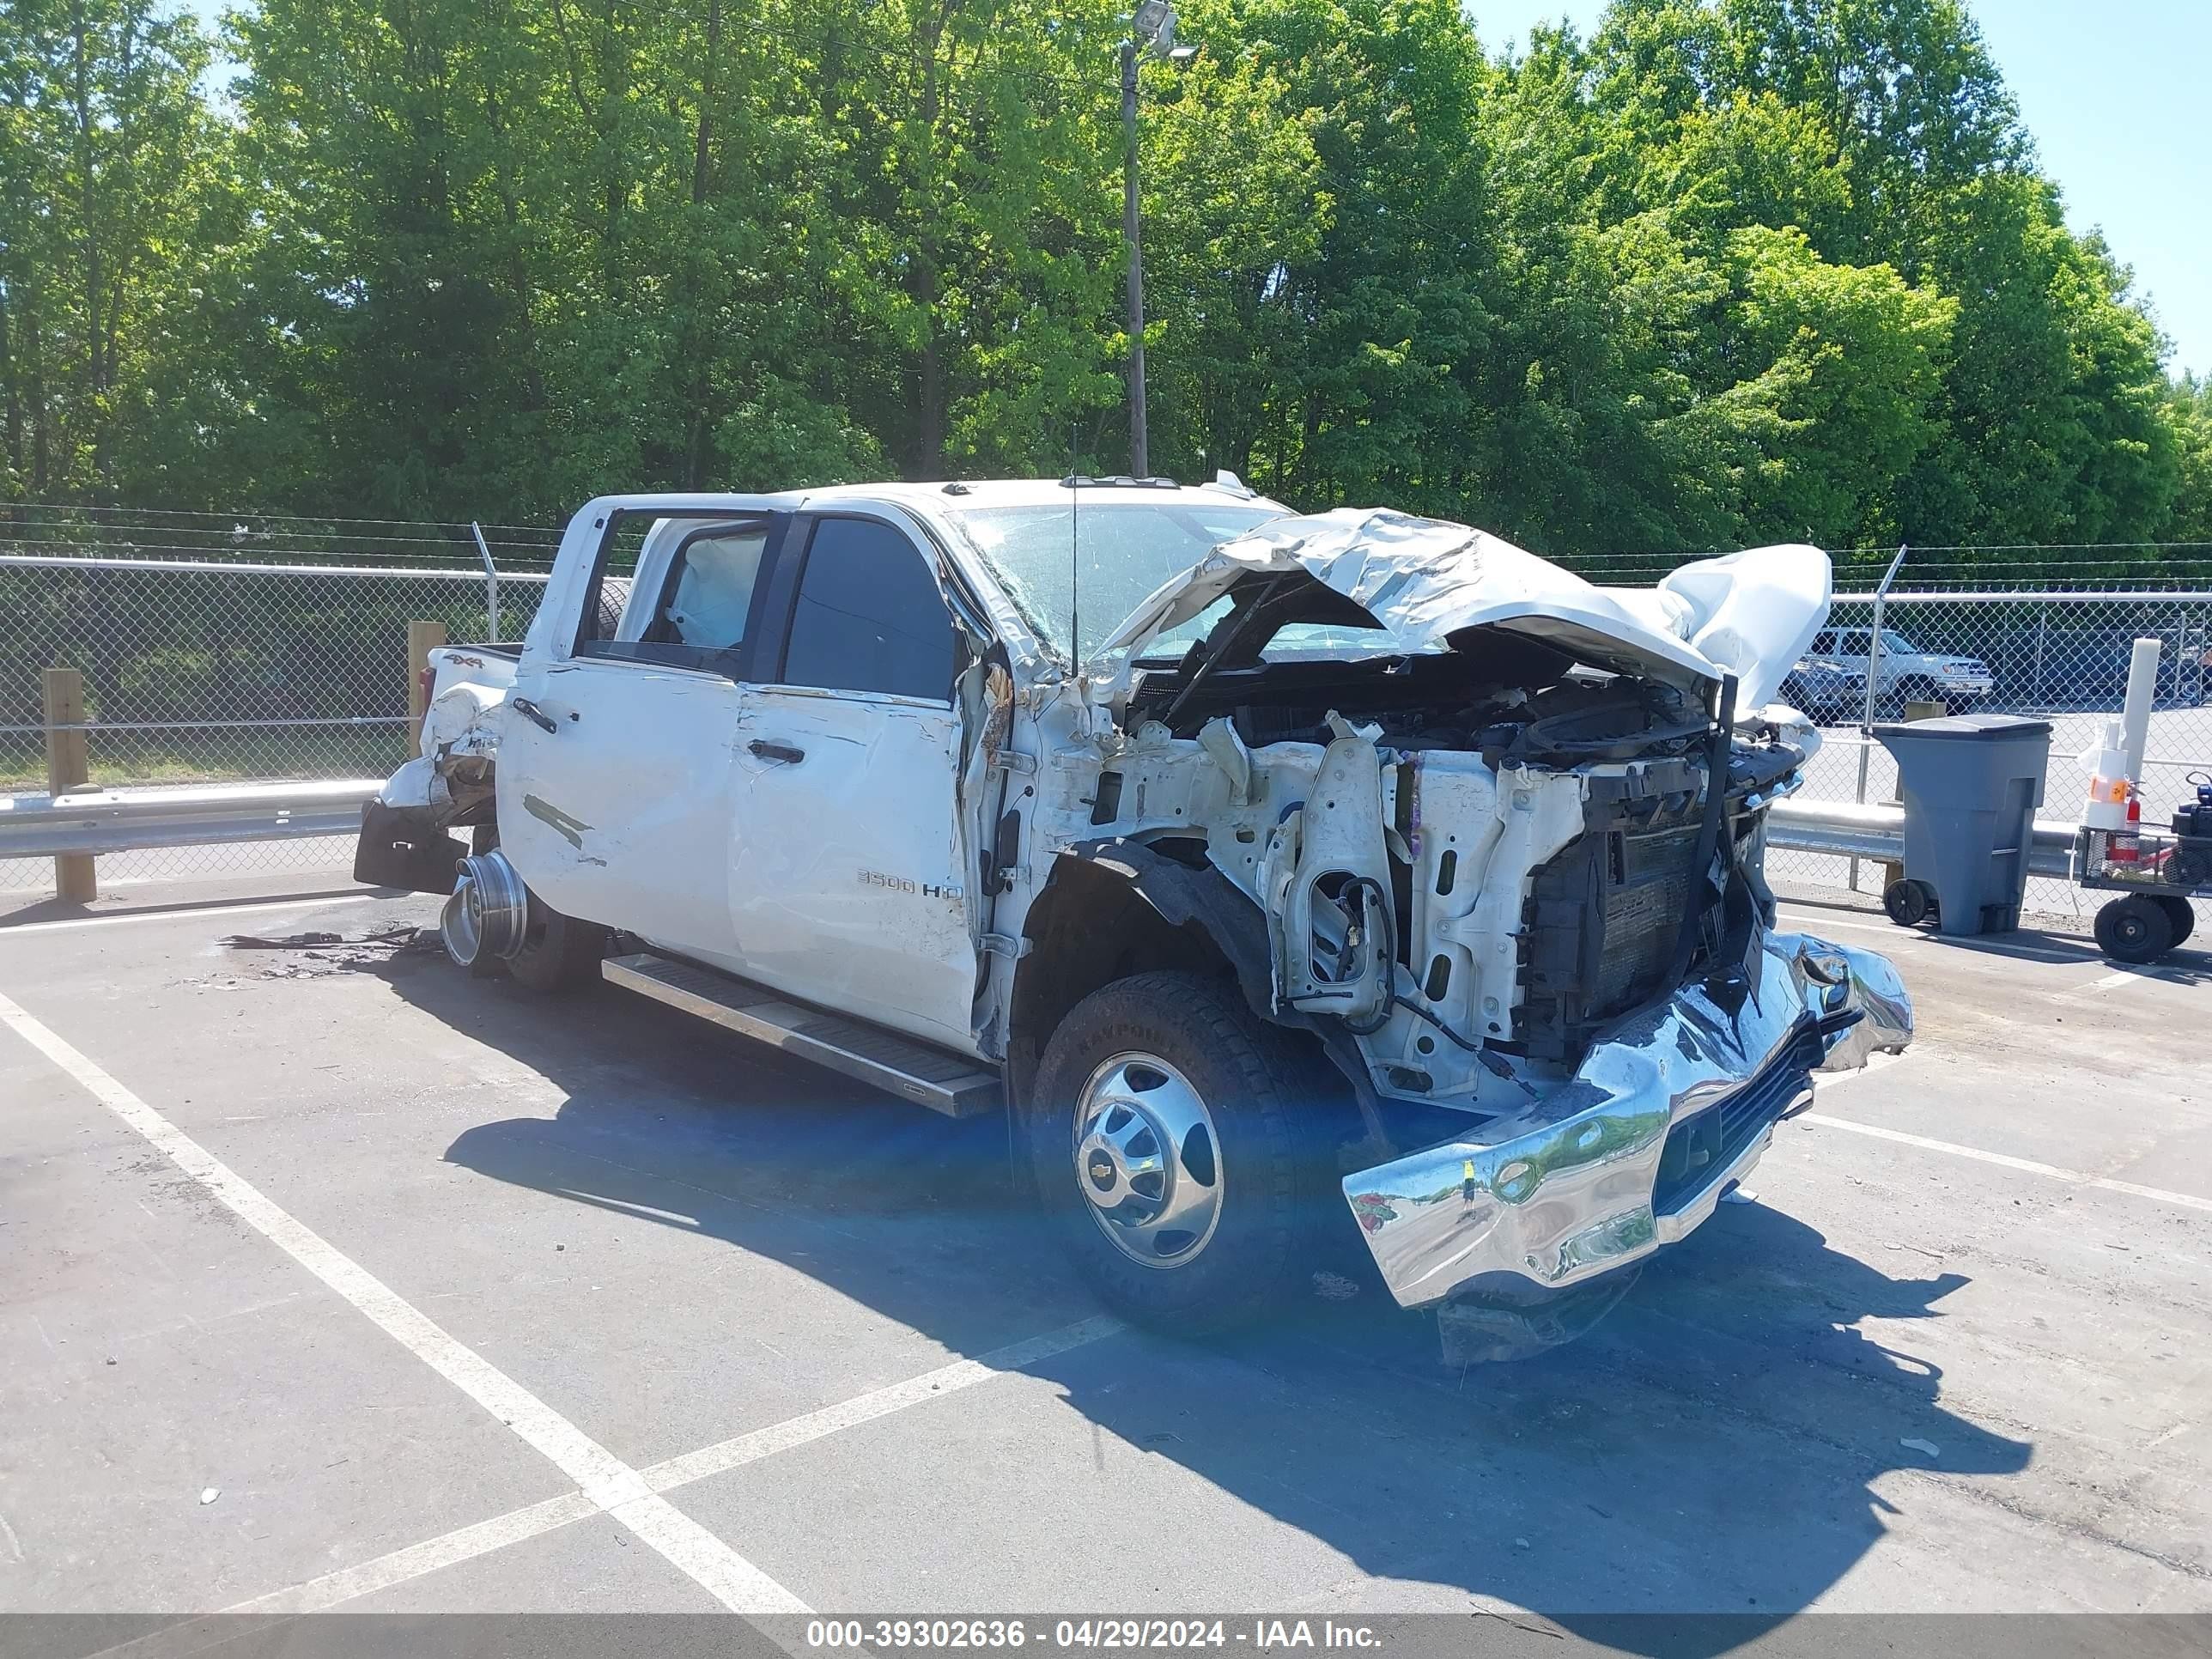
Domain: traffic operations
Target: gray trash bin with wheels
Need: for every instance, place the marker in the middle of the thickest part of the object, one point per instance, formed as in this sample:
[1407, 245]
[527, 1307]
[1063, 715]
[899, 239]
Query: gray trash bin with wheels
[1971, 784]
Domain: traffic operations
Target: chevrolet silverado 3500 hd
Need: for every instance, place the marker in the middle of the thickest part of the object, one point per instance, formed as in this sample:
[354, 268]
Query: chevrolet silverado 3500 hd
[1273, 872]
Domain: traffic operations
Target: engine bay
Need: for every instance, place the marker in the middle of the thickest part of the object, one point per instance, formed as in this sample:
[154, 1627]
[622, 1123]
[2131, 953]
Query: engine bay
[1517, 704]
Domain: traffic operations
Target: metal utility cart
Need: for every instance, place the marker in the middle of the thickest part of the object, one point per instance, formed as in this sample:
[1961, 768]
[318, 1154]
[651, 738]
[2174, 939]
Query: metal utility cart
[2156, 873]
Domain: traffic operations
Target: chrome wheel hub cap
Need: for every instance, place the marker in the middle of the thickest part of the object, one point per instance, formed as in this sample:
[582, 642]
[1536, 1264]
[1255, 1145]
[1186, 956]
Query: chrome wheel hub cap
[1147, 1161]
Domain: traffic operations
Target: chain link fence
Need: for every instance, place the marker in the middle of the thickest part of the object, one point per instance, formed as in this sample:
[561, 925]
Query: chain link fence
[2062, 657]
[219, 648]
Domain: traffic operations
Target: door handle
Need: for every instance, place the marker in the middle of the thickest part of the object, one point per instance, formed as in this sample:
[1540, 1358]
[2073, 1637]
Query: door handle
[776, 751]
[531, 712]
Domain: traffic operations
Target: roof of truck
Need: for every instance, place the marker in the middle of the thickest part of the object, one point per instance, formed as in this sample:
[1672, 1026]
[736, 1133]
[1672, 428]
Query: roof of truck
[944, 500]
[951, 495]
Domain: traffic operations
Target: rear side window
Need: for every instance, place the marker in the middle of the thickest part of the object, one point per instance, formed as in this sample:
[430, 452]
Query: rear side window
[677, 591]
[1823, 644]
[710, 591]
[868, 616]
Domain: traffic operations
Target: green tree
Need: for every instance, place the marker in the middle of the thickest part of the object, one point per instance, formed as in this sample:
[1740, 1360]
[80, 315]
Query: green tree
[105, 150]
[1854, 361]
[1234, 207]
[2189, 413]
[1730, 270]
[2054, 413]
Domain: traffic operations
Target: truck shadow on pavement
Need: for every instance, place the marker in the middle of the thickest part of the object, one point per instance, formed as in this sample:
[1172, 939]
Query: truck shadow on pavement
[1711, 1449]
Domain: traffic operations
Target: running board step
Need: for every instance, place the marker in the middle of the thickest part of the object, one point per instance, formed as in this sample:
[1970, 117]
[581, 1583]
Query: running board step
[943, 1082]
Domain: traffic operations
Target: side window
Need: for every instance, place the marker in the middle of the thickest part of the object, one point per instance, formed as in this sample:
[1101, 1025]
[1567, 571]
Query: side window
[1824, 644]
[868, 616]
[709, 592]
[676, 591]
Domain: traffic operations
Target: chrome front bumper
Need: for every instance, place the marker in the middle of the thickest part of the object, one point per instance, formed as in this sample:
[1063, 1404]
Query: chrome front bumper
[1574, 1186]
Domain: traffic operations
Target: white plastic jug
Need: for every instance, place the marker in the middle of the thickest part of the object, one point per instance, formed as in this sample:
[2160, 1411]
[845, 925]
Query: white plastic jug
[2109, 784]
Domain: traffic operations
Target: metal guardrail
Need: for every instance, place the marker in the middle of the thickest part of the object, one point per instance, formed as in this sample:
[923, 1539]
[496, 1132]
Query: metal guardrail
[131, 820]
[1846, 828]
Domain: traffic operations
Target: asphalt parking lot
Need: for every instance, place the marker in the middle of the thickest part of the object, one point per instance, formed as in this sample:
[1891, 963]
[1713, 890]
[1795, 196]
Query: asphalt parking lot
[343, 1280]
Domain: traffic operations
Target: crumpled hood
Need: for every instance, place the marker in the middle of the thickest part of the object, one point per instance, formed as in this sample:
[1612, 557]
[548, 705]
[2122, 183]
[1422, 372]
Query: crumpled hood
[1423, 580]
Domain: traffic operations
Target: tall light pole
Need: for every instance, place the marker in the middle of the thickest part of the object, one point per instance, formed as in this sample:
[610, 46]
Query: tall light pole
[1153, 30]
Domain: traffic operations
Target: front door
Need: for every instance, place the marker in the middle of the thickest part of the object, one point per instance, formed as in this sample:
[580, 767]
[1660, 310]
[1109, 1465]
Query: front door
[848, 880]
[614, 764]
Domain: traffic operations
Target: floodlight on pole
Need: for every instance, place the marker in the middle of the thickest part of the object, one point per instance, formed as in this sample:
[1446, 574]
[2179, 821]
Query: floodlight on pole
[1155, 24]
[1152, 29]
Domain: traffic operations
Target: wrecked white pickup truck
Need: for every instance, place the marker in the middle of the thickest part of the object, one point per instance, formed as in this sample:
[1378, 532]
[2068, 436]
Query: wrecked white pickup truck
[1262, 866]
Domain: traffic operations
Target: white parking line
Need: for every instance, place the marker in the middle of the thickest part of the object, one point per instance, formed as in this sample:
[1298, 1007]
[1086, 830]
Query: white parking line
[417, 1560]
[2127, 976]
[609, 1483]
[185, 913]
[2026, 1166]
[465, 1544]
[741, 1449]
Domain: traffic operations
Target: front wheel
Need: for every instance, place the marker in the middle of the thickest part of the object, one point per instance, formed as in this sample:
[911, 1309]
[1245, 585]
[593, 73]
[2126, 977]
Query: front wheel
[1168, 1143]
[2180, 913]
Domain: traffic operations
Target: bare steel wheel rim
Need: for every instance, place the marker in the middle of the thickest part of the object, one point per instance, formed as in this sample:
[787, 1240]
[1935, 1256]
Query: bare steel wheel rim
[487, 911]
[1147, 1160]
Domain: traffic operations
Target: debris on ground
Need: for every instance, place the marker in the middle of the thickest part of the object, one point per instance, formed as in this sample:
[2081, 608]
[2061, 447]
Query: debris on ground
[1925, 1447]
[209, 1494]
[317, 953]
[391, 939]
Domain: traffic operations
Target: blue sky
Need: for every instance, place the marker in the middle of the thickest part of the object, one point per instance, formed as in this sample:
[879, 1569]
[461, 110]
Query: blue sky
[2115, 94]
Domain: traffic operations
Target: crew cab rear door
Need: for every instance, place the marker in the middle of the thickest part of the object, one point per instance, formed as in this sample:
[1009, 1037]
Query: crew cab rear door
[615, 758]
[847, 881]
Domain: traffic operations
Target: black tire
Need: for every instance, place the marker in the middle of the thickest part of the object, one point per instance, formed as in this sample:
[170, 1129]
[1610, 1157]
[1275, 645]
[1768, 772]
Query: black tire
[1273, 1179]
[2181, 914]
[1909, 902]
[559, 953]
[2136, 928]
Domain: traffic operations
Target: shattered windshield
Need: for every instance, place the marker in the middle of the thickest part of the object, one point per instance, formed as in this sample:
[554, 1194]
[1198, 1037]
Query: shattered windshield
[1082, 569]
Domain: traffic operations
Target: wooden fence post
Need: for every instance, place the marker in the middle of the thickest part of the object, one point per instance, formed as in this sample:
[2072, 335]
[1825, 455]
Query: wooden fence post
[423, 638]
[67, 767]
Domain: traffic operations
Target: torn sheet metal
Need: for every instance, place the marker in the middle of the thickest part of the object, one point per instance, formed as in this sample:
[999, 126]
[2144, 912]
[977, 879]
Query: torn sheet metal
[1749, 614]
[460, 725]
